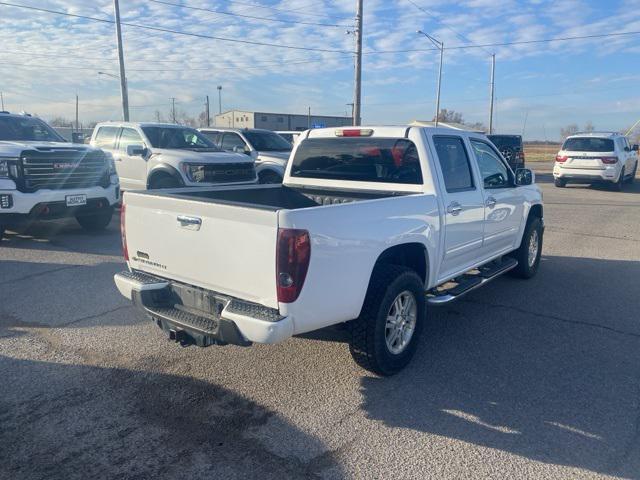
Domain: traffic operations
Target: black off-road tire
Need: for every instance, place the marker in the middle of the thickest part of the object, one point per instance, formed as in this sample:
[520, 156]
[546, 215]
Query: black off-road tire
[524, 268]
[97, 222]
[368, 345]
[164, 181]
[269, 177]
[560, 182]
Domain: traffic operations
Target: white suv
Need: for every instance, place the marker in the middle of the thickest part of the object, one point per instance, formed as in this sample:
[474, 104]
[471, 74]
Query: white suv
[269, 150]
[596, 157]
[158, 155]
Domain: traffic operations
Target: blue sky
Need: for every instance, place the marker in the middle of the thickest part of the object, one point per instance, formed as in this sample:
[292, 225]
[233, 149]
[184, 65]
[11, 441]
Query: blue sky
[45, 59]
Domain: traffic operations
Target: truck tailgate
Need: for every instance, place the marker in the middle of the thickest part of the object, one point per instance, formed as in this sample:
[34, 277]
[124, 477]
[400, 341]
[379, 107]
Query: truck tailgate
[225, 248]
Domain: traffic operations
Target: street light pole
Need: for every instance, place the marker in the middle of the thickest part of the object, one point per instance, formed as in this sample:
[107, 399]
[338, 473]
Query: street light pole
[439, 45]
[123, 83]
[357, 97]
[220, 99]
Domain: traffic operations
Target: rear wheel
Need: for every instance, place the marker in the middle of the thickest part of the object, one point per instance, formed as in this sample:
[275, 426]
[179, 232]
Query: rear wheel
[529, 253]
[560, 182]
[269, 177]
[97, 222]
[618, 186]
[632, 178]
[385, 336]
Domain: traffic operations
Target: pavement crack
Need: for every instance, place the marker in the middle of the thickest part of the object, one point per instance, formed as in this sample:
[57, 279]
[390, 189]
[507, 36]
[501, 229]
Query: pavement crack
[33, 275]
[90, 317]
[582, 234]
[557, 318]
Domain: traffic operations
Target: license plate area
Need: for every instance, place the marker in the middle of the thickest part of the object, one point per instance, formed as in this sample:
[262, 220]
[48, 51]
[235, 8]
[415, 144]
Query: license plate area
[75, 200]
[197, 300]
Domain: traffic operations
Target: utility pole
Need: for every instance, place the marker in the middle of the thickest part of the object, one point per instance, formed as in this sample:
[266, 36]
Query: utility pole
[123, 78]
[207, 111]
[77, 122]
[309, 119]
[173, 110]
[357, 97]
[493, 71]
[2, 101]
[220, 99]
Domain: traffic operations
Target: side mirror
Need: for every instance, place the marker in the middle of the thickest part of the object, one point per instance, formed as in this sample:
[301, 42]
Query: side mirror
[136, 150]
[635, 147]
[524, 177]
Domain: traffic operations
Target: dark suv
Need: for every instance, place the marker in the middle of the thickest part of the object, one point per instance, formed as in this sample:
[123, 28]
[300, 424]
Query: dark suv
[511, 148]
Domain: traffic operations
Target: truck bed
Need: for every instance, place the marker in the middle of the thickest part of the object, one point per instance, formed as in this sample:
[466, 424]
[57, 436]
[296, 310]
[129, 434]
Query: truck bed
[276, 197]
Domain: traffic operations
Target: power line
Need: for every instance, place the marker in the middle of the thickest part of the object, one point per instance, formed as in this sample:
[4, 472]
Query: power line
[176, 32]
[253, 17]
[437, 19]
[506, 44]
[282, 10]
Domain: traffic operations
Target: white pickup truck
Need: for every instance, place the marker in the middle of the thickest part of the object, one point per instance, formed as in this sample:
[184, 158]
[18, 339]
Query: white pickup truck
[370, 228]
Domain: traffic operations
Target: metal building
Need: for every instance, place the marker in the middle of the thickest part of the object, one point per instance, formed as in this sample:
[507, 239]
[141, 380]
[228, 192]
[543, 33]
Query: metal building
[278, 121]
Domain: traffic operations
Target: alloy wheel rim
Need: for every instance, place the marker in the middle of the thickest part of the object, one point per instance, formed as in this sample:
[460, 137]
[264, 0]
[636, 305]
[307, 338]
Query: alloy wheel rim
[533, 248]
[401, 322]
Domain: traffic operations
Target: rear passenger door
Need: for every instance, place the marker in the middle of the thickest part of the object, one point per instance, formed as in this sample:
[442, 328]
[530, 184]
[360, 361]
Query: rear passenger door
[503, 201]
[463, 203]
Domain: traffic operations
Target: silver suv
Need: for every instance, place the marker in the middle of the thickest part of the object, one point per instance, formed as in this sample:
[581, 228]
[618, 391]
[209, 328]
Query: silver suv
[158, 155]
[596, 157]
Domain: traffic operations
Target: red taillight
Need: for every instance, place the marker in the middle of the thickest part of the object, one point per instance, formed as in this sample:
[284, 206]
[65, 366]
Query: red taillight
[561, 158]
[293, 253]
[123, 235]
[609, 160]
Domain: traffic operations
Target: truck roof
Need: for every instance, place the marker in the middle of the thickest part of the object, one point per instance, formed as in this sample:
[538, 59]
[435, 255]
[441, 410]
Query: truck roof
[142, 124]
[382, 131]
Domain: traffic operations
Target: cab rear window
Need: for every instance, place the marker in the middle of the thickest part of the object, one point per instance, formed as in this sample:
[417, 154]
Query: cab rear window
[588, 144]
[387, 160]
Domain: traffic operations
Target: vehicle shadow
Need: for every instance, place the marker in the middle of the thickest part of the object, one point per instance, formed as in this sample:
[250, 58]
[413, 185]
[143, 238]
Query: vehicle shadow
[64, 235]
[514, 368]
[77, 422]
[547, 178]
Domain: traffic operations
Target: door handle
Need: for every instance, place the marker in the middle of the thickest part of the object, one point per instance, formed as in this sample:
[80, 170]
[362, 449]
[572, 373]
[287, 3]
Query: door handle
[192, 223]
[491, 202]
[454, 208]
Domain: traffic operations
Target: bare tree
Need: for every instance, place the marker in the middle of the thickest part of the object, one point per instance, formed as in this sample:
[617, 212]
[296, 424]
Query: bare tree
[449, 116]
[202, 119]
[588, 127]
[569, 130]
[60, 122]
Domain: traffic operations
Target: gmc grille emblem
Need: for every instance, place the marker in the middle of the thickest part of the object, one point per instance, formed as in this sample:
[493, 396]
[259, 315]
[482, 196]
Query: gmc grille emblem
[64, 165]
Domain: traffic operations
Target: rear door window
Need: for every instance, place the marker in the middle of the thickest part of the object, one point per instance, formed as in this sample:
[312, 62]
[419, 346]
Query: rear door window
[454, 163]
[588, 144]
[106, 137]
[389, 160]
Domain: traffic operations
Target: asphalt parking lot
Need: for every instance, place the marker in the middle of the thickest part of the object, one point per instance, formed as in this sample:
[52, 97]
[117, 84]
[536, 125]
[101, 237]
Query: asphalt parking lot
[521, 379]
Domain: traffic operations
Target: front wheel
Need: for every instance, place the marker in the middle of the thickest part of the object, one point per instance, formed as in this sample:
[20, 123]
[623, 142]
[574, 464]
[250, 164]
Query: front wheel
[97, 222]
[269, 177]
[530, 251]
[385, 336]
[560, 182]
